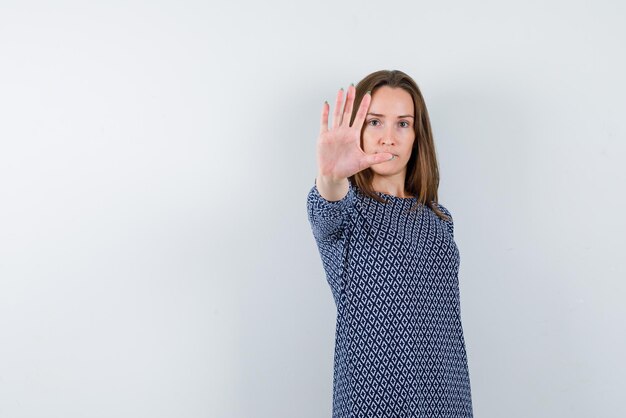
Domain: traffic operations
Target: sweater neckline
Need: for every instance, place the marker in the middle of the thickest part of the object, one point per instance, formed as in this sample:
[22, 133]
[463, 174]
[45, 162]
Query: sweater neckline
[404, 199]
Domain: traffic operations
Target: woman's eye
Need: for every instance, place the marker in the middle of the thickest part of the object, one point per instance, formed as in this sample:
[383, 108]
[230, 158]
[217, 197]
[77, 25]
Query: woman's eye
[373, 122]
[404, 124]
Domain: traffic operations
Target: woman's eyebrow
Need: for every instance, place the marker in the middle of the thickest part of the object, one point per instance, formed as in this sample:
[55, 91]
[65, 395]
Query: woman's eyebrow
[382, 116]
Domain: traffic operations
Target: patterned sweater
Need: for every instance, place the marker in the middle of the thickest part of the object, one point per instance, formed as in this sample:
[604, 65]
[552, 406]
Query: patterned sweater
[393, 273]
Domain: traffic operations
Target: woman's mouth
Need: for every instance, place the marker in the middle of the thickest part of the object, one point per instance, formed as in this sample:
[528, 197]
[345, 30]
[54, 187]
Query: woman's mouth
[394, 155]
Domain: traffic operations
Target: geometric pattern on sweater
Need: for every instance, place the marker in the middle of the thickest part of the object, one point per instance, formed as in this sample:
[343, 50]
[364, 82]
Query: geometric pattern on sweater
[393, 274]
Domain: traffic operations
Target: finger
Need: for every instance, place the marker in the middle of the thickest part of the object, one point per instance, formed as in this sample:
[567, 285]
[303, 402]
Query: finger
[337, 112]
[324, 121]
[362, 112]
[347, 113]
[371, 159]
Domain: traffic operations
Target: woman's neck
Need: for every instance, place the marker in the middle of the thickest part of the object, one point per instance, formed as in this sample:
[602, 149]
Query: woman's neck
[390, 185]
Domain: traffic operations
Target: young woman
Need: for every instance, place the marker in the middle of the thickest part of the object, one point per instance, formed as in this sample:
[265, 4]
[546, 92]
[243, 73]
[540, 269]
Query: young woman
[388, 250]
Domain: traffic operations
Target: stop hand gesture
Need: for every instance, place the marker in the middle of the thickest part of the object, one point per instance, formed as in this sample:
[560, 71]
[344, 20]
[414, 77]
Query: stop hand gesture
[339, 153]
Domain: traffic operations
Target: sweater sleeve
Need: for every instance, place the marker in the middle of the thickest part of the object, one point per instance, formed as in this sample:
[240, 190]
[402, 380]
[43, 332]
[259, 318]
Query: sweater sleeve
[450, 223]
[328, 218]
[329, 223]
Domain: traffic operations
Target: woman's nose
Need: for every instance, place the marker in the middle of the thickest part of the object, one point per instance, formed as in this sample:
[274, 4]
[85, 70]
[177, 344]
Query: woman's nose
[388, 137]
[388, 140]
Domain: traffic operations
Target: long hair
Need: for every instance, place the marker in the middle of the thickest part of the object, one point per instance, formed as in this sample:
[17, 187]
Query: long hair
[422, 171]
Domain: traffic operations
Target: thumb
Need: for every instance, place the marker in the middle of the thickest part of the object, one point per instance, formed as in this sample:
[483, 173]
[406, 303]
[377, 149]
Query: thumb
[378, 158]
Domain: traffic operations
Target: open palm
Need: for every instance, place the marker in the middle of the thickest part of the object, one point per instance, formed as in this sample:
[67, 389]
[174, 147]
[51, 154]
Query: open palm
[339, 153]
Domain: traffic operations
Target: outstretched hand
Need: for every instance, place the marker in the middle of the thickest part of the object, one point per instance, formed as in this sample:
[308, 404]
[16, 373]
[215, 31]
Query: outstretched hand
[339, 153]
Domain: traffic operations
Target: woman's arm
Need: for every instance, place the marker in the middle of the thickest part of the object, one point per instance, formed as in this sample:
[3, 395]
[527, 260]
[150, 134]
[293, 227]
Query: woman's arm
[332, 190]
[330, 222]
[328, 218]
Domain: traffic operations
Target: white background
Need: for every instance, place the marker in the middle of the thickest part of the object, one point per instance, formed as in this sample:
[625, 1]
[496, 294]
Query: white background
[155, 157]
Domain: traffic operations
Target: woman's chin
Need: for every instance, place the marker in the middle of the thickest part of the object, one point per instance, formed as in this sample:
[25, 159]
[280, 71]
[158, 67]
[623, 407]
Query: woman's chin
[381, 170]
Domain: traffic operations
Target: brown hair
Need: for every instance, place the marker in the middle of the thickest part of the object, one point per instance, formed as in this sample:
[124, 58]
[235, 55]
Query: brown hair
[422, 174]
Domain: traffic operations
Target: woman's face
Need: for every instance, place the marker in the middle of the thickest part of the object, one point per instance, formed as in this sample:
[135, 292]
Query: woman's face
[389, 128]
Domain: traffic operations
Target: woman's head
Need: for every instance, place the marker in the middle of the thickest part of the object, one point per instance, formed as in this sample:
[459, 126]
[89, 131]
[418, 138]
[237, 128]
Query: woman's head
[394, 89]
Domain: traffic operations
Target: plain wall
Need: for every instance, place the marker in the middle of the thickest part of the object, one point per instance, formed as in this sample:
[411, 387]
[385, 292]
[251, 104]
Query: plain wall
[155, 157]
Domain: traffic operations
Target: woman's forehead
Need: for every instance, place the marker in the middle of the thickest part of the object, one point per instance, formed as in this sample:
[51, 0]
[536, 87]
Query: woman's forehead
[388, 101]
